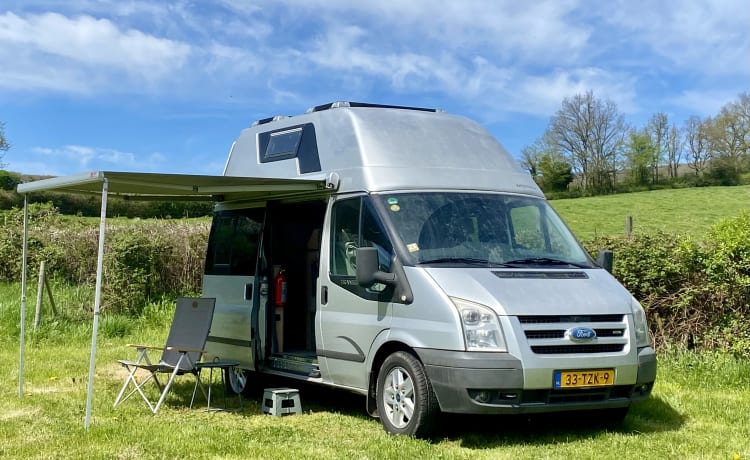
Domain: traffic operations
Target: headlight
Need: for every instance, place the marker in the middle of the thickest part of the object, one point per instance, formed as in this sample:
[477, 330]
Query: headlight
[641, 326]
[481, 327]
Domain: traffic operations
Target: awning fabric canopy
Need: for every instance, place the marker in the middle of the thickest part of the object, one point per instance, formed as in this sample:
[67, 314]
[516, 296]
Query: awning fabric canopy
[172, 187]
[151, 186]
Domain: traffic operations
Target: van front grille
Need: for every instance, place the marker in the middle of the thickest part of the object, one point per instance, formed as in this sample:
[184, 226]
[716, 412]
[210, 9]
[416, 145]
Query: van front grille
[560, 333]
[547, 319]
[546, 334]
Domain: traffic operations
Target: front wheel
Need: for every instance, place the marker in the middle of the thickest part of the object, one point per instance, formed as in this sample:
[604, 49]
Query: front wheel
[405, 399]
[612, 418]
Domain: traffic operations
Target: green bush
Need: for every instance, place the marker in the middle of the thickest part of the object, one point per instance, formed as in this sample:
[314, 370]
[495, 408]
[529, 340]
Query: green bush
[649, 265]
[695, 294]
[134, 270]
[42, 218]
[153, 258]
[727, 258]
[9, 180]
[144, 259]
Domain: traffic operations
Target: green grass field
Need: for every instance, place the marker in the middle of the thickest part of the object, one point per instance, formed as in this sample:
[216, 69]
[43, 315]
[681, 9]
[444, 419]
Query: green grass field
[689, 211]
[699, 409]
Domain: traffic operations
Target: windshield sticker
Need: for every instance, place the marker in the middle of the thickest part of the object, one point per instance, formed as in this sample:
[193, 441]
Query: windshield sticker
[413, 247]
[395, 208]
[392, 200]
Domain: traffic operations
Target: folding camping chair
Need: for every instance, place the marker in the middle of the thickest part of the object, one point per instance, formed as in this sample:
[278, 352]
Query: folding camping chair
[183, 350]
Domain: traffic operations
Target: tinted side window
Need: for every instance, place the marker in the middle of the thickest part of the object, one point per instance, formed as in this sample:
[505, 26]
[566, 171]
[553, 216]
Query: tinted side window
[345, 237]
[355, 224]
[233, 242]
[374, 235]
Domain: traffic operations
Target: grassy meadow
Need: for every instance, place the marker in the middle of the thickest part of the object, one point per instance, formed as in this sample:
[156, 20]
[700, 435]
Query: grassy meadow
[688, 211]
[700, 407]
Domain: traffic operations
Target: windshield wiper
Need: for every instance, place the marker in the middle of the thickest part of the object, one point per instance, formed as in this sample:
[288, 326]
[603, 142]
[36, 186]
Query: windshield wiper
[544, 261]
[461, 260]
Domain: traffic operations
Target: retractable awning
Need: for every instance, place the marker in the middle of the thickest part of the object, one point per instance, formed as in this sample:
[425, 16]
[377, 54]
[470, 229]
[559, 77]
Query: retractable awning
[172, 187]
[153, 186]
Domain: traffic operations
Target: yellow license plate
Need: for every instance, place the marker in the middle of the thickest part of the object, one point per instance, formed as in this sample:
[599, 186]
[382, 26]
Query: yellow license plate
[584, 378]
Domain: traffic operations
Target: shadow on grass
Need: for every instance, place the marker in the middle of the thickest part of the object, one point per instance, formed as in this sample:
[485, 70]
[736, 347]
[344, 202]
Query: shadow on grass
[473, 431]
[481, 431]
[487, 431]
[314, 398]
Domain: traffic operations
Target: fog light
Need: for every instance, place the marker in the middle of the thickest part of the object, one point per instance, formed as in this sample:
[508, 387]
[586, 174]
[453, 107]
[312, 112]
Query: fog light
[482, 397]
[643, 389]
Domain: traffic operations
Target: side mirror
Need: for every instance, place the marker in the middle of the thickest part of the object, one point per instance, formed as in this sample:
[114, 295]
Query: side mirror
[368, 272]
[605, 259]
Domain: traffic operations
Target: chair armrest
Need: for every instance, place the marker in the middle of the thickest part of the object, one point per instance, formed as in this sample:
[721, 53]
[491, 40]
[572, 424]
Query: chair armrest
[186, 350]
[145, 347]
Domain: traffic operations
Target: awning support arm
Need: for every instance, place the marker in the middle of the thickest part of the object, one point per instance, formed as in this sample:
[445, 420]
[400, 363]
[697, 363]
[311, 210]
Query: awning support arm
[97, 302]
[23, 292]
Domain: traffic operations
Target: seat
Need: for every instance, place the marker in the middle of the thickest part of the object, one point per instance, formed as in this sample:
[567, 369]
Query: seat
[183, 349]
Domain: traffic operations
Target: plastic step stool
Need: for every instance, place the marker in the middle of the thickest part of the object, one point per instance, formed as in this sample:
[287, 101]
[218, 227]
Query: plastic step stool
[280, 401]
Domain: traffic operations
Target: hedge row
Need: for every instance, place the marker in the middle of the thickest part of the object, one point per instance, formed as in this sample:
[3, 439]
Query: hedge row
[696, 293]
[143, 260]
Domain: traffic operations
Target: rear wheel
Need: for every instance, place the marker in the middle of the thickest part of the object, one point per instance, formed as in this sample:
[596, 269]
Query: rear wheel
[236, 380]
[405, 399]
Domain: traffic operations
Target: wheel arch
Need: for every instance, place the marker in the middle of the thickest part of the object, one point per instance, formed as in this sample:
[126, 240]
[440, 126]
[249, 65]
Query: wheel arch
[386, 349]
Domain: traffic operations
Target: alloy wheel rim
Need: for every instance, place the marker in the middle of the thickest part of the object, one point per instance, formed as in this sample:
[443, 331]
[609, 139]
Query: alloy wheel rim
[398, 397]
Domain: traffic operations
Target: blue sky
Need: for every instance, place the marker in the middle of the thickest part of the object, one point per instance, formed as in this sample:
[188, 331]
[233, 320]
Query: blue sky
[166, 86]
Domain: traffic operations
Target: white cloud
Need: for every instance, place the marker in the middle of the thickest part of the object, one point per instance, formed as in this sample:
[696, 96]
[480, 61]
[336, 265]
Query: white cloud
[504, 56]
[520, 31]
[703, 103]
[543, 94]
[80, 54]
[705, 37]
[102, 158]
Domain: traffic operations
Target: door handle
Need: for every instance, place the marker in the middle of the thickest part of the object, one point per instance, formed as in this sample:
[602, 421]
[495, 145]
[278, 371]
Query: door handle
[323, 295]
[249, 291]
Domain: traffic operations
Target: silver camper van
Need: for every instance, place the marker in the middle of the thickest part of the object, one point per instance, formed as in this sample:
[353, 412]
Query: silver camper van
[427, 272]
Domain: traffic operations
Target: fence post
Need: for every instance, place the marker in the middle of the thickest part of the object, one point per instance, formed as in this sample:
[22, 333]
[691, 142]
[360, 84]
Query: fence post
[629, 226]
[49, 296]
[39, 293]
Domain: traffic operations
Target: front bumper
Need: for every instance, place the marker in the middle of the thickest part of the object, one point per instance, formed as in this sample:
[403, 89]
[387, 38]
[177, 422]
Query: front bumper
[493, 383]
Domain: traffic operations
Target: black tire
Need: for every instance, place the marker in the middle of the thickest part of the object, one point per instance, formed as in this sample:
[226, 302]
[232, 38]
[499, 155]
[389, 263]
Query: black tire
[238, 381]
[613, 418]
[405, 399]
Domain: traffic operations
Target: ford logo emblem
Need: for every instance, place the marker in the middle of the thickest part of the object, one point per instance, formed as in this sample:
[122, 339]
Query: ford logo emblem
[580, 334]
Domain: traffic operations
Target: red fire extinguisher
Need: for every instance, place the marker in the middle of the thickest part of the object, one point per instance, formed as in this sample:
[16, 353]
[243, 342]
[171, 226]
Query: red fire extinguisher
[279, 284]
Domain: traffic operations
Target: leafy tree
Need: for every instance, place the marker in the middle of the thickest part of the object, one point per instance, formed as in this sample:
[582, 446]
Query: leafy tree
[590, 133]
[729, 133]
[9, 180]
[555, 172]
[530, 156]
[639, 155]
[673, 148]
[657, 127]
[696, 139]
[723, 171]
[551, 170]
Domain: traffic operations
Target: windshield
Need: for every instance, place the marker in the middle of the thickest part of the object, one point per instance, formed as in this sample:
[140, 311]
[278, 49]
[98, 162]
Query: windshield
[482, 229]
